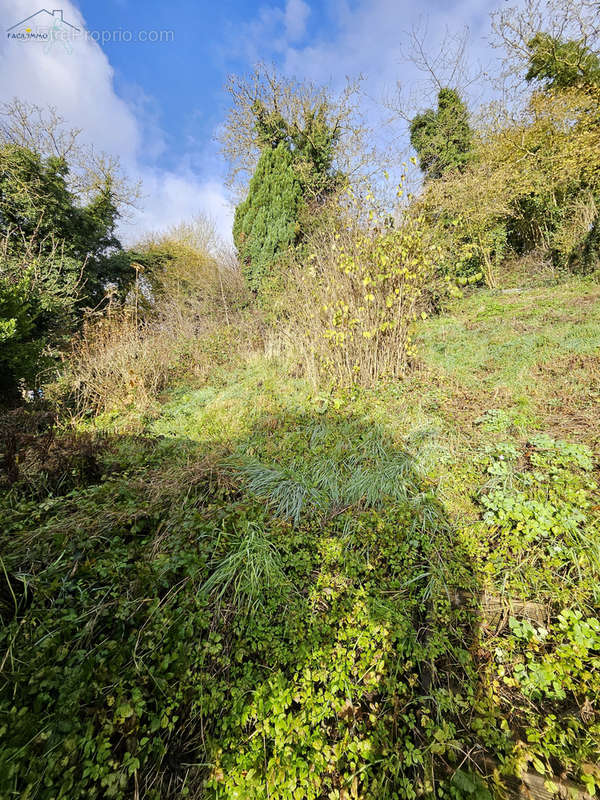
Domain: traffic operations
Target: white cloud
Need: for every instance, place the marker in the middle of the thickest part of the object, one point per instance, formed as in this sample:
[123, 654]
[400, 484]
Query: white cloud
[372, 39]
[80, 84]
[296, 16]
[173, 197]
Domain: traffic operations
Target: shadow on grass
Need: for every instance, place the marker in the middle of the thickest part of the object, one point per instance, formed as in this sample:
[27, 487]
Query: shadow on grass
[284, 620]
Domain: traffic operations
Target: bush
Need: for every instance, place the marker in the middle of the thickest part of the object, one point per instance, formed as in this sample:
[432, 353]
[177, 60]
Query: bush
[533, 186]
[189, 291]
[38, 294]
[189, 265]
[356, 292]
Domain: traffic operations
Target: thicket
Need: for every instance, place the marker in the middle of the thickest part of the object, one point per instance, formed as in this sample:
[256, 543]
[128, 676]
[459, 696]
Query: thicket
[184, 312]
[296, 617]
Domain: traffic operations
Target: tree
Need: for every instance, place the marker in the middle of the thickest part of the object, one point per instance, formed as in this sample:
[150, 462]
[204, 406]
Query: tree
[312, 144]
[299, 133]
[546, 40]
[43, 131]
[443, 138]
[266, 222]
[267, 108]
[58, 247]
[534, 185]
[39, 212]
[561, 64]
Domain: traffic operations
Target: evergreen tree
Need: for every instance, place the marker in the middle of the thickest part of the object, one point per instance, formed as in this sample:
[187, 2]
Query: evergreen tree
[266, 222]
[294, 171]
[442, 138]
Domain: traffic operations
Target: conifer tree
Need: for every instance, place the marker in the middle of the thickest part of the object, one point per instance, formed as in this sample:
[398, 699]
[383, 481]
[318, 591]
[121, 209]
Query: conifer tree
[442, 138]
[266, 222]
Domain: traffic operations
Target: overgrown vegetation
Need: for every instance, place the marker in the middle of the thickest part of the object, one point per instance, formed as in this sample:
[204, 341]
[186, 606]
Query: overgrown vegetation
[317, 519]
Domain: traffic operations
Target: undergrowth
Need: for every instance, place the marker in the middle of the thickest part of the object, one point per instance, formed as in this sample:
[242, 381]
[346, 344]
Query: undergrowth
[266, 594]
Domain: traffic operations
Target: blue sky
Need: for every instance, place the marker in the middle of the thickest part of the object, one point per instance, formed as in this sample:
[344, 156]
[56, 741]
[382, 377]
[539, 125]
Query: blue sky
[182, 79]
[157, 105]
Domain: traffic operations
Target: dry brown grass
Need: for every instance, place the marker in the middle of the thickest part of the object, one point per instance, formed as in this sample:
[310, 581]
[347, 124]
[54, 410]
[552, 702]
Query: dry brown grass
[182, 318]
[119, 362]
[569, 405]
[116, 362]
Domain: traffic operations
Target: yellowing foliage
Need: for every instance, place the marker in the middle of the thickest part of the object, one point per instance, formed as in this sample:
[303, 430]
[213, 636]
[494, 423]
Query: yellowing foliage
[538, 177]
[361, 292]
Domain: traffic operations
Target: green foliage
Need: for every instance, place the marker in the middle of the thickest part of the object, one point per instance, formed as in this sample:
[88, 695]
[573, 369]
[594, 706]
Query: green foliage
[285, 609]
[560, 65]
[266, 222]
[38, 212]
[294, 172]
[142, 658]
[57, 255]
[533, 187]
[543, 533]
[443, 138]
[37, 301]
[313, 146]
[542, 513]
[252, 568]
[324, 474]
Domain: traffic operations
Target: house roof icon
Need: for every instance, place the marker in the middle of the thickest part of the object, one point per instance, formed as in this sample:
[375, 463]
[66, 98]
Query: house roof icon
[51, 17]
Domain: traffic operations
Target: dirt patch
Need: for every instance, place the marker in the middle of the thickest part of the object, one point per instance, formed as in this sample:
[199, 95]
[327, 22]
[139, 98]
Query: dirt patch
[569, 402]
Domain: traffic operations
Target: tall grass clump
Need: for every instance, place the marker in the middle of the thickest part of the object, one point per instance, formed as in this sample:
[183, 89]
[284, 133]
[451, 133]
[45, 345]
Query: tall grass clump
[359, 284]
[252, 568]
[329, 467]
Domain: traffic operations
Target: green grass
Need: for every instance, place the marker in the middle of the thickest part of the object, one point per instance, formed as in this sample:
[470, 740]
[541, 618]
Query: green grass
[263, 591]
[492, 339]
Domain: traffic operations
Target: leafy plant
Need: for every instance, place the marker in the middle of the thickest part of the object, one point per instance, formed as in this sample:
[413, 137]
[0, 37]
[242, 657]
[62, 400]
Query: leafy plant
[251, 568]
[443, 138]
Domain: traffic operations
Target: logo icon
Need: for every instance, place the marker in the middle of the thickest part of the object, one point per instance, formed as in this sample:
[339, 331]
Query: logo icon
[48, 27]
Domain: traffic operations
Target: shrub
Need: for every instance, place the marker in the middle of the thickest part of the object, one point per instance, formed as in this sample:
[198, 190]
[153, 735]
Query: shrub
[189, 265]
[189, 290]
[357, 291]
[534, 185]
[38, 294]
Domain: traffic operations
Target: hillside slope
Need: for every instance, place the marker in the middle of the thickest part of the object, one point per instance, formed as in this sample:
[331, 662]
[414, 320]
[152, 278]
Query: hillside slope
[257, 591]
